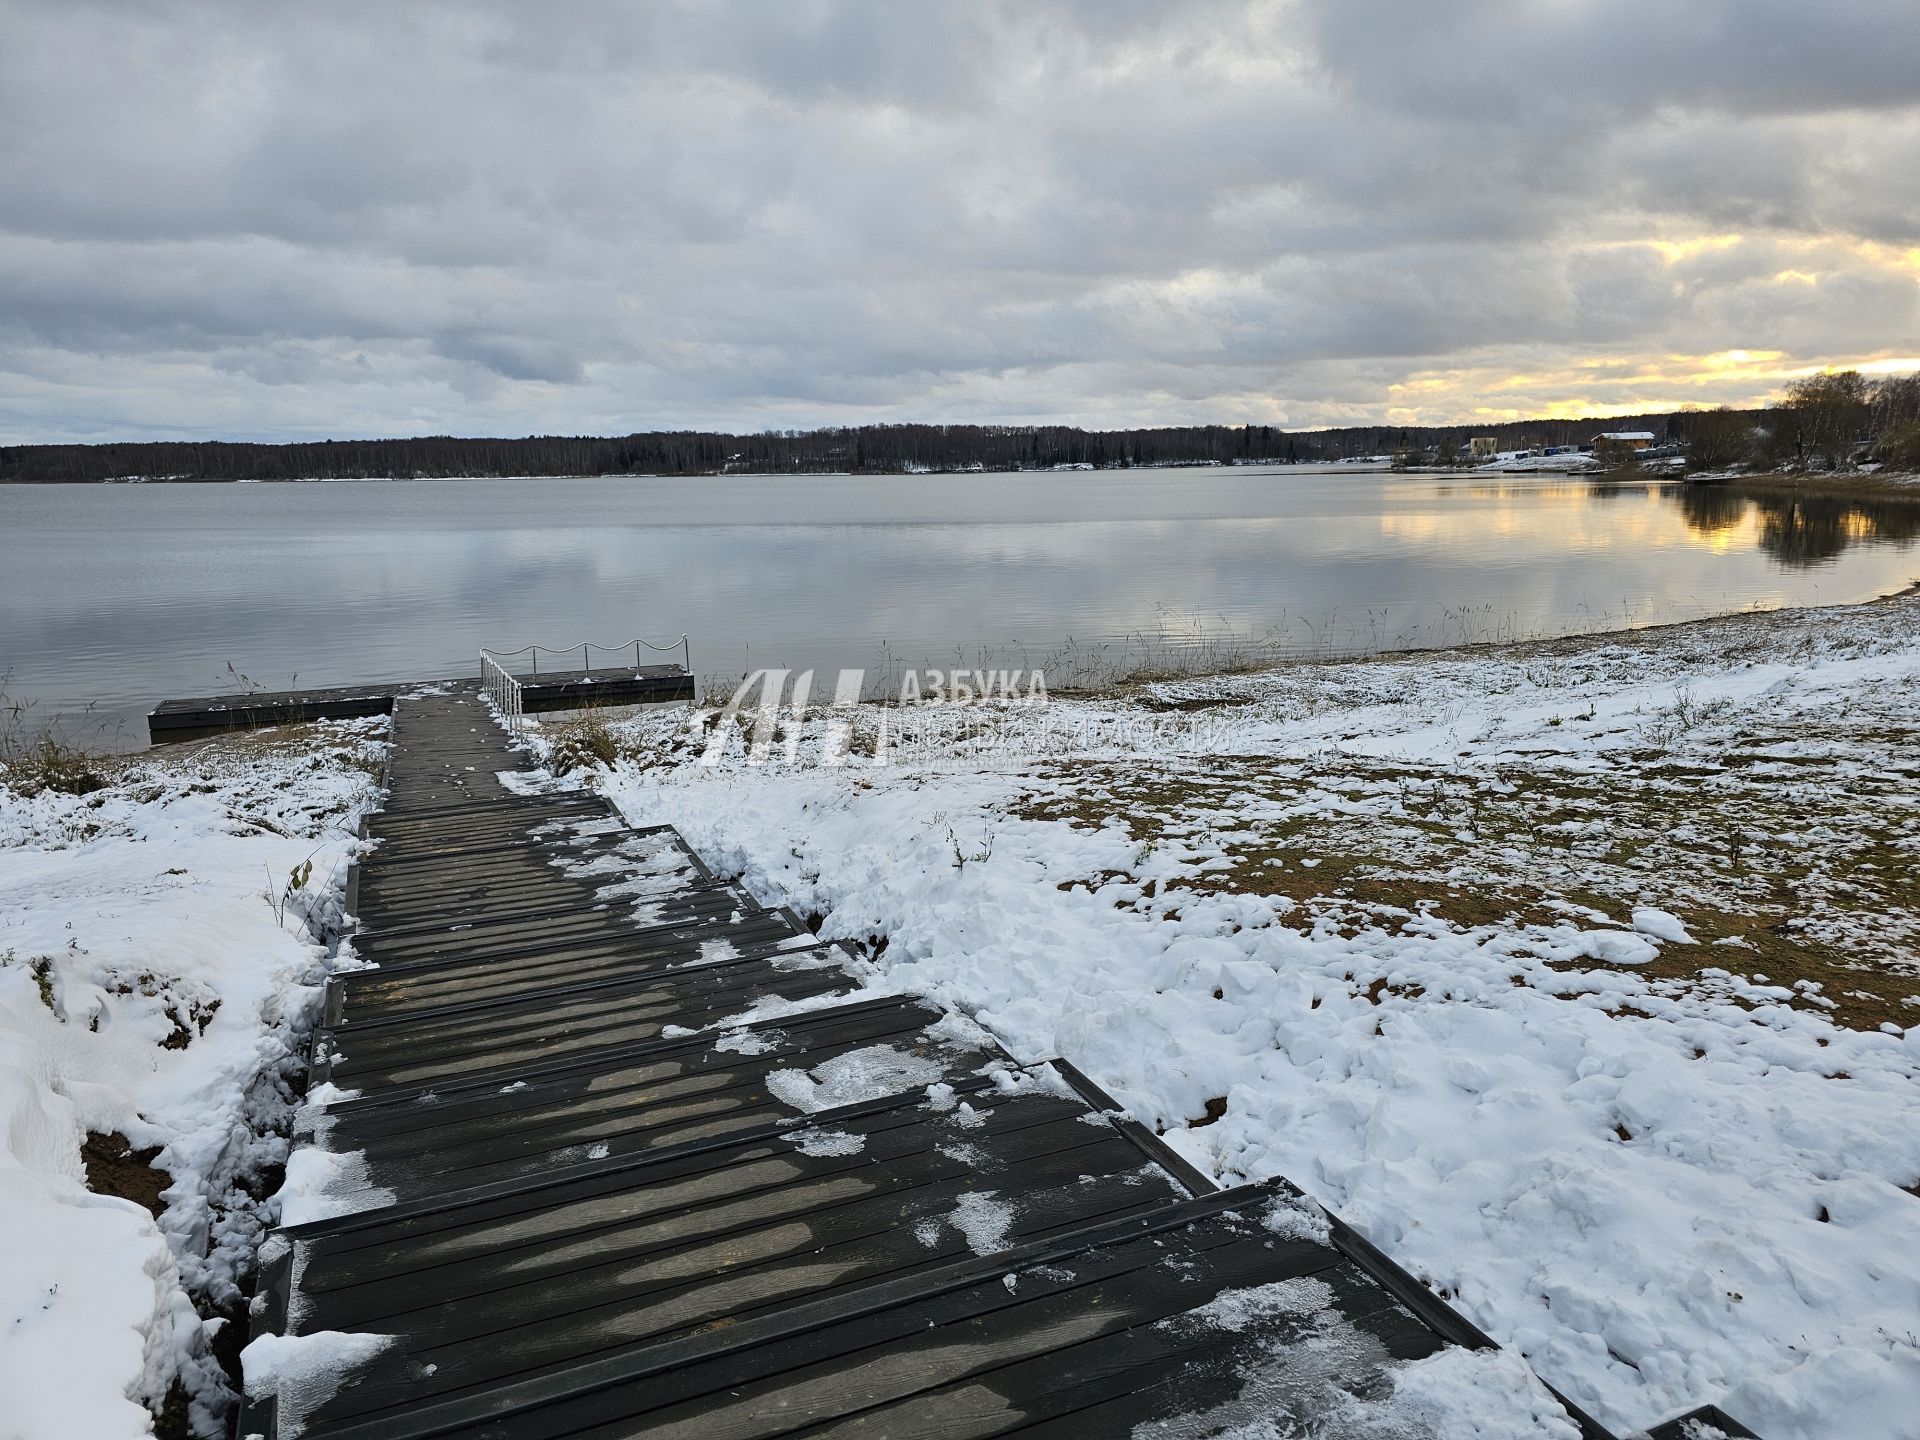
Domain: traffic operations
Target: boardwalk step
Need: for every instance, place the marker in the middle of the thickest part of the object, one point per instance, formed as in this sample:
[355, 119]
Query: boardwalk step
[452, 958]
[379, 997]
[1097, 1328]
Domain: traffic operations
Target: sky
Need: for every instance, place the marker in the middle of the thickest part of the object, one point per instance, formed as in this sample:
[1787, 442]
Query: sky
[232, 220]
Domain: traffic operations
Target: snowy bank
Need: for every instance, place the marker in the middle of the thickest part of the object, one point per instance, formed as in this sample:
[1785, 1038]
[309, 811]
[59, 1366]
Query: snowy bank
[1577, 976]
[159, 949]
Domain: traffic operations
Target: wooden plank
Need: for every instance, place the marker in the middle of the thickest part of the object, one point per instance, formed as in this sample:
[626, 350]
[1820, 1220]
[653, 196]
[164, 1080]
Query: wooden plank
[814, 1361]
[611, 859]
[519, 833]
[428, 983]
[376, 995]
[762, 1208]
[392, 905]
[477, 1128]
[679, 1249]
[373, 1066]
[487, 937]
[500, 888]
[571, 1020]
[476, 825]
[1286, 1369]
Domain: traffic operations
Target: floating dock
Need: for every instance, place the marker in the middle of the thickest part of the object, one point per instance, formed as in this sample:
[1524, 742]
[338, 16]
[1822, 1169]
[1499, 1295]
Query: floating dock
[173, 720]
[619, 1151]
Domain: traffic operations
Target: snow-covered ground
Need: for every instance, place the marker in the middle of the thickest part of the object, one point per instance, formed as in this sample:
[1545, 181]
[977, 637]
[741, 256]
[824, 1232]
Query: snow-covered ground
[1574, 464]
[1578, 976]
[159, 950]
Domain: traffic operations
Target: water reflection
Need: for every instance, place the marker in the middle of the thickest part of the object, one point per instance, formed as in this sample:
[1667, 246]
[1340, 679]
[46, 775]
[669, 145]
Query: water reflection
[1798, 530]
[123, 595]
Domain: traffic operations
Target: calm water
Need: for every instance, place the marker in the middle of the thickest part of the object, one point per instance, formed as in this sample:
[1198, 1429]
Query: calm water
[116, 596]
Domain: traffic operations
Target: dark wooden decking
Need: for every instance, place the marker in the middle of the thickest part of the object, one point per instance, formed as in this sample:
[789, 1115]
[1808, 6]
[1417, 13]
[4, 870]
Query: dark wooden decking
[630, 1156]
[173, 720]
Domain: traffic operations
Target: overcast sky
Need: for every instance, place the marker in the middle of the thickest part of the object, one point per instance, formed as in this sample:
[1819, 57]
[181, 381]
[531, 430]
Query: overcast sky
[280, 221]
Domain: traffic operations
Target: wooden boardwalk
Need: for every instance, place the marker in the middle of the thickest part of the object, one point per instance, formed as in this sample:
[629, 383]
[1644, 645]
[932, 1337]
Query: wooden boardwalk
[619, 1151]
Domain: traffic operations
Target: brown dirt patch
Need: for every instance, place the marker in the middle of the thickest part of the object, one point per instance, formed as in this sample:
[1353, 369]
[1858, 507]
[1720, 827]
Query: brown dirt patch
[114, 1167]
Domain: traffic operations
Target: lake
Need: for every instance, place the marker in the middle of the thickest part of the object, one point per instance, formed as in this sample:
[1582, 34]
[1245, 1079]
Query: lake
[113, 597]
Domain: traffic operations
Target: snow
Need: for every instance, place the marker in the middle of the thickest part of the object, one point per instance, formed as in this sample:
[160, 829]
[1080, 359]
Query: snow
[304, 1371]
[1661, 924]
[869, 1073]
[1309, 1351]
[320, 1184]
[157, 973]
[827, 1142]
[983, 1220]
[1235, 1310]
[1297, 1220]
[1500, 1028]
[1467, 1395]
[749, 1042]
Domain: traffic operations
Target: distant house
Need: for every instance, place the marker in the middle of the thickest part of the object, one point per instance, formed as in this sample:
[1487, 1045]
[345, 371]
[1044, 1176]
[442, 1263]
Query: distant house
[1632, 439]
[1483, 447]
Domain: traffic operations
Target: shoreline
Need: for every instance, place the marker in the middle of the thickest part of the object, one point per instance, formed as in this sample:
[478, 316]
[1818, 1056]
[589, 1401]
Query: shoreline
[1481, 649]
[1901, 489]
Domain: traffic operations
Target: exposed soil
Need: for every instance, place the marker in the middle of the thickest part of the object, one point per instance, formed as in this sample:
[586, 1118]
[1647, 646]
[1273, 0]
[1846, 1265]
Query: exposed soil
[114, 1167]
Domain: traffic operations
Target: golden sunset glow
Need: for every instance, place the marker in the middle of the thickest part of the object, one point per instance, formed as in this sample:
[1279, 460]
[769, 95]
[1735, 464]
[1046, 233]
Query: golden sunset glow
[1793, 281]
[1596, 387]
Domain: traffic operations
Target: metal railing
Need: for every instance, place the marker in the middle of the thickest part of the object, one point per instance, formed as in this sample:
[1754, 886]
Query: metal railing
[585, 651]
[503, 689]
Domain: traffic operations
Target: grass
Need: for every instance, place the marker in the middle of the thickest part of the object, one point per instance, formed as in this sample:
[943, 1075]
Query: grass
[34, 758]
[1842, 485]
[1803, 869]
[46, 763]
[584, 741]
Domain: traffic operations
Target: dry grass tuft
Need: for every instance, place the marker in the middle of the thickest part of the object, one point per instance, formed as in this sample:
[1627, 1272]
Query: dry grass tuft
[34, 758]
[582, 743]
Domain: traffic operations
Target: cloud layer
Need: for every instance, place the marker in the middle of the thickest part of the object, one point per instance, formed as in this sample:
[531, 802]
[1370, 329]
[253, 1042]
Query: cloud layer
[285, 222]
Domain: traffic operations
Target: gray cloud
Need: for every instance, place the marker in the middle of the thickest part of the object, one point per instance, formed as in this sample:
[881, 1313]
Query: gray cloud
[218, 219]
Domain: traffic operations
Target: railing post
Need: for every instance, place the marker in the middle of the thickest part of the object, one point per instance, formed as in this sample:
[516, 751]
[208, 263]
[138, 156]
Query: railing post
[586, 665]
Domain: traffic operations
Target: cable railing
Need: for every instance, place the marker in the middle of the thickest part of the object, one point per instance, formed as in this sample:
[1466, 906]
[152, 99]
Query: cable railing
[585, 651]
[506, 689]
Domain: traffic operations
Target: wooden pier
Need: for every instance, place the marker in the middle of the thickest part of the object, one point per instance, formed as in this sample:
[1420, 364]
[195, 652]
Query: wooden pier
[175, 720]
[620, 1151]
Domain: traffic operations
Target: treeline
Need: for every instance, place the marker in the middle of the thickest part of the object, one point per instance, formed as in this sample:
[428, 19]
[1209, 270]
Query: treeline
[1823, 416]
[866, 448]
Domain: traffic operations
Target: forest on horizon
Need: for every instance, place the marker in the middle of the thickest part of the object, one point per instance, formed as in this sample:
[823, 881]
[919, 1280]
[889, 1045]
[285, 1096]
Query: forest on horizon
[870, 449]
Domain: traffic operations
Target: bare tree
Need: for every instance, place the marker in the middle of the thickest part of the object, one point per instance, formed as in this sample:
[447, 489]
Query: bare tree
[1719, 440]
[1616, 454]
[1825, 414]
[1895, 401]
